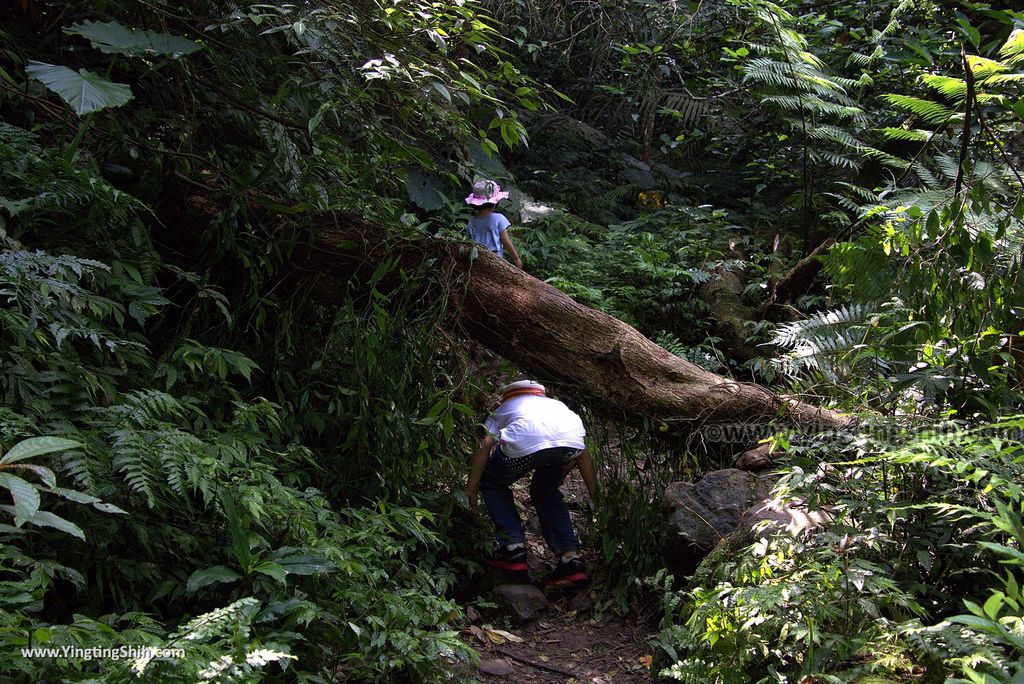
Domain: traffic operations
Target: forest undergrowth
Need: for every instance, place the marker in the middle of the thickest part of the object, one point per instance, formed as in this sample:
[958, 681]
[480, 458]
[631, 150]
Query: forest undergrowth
[204, 455]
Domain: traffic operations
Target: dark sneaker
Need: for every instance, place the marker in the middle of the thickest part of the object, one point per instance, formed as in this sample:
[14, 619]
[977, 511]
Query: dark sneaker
[513, 561]
[570, 573]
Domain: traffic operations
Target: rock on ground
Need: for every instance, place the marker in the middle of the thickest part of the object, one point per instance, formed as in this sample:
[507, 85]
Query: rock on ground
[526, 601]
[498, 667]
[703, 513]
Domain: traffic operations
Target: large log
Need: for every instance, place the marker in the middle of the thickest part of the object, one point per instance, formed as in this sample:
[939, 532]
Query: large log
[542, 329]
[797, 280]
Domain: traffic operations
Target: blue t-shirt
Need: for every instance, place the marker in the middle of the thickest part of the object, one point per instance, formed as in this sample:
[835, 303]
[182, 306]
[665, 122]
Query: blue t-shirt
[487, 230]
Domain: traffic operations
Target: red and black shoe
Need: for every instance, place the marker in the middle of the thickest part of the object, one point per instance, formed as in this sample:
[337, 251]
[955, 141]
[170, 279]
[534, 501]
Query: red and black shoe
[510, 560]
[570, 573]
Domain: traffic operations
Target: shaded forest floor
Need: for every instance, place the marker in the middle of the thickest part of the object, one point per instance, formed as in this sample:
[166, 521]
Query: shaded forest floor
[569, 646]
[571, 642]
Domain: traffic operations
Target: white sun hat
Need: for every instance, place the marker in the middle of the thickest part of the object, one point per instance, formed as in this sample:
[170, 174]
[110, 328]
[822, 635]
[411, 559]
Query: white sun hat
[521, 387]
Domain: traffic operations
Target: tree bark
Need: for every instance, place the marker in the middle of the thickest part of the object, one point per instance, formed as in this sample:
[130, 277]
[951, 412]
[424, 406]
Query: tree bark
[542, 329]
[729, 315]
[797, 280]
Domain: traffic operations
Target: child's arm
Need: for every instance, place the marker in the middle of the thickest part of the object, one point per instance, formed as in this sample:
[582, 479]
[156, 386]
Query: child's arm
[506, 242]
[586, 466]
[476, 470]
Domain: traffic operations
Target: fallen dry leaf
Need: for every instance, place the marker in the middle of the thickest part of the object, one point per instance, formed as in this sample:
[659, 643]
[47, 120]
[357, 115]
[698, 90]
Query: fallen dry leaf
[500, 636]
[646, 661]
[508, 636]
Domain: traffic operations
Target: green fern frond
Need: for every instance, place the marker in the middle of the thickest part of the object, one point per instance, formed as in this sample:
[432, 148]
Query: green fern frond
[912, 134]
[814, 343]
[1013, 49]
[218, 622]
[1001, 79]
[865, 194]
[81, 466]
[948, 166]
[698, 356]
[932, 112]
[955, 88]
[694, 671]
[861, 268]
[689, 109]
[790, 334]
[835, 159]
[836, 135]
[133, 458]
[885, 158]
[795, 77]
[845, 202]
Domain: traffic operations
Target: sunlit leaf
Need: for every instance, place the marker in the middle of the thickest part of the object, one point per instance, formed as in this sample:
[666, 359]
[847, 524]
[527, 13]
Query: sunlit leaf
[37, 446]
[83, 90]
[115, 38]
[25, 495]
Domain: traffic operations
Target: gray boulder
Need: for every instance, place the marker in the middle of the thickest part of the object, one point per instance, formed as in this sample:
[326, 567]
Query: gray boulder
[525, 601]
[699, 515]
[496, 668]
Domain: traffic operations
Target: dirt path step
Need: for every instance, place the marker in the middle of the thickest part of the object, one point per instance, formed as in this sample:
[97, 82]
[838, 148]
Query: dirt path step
[554, 638]
[563, 647]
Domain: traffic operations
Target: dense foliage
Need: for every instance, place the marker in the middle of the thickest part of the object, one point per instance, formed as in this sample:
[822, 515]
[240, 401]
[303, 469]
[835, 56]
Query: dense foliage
[200, 451]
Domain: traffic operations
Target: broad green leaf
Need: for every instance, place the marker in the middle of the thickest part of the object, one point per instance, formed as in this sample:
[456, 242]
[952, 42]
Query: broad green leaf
[37, 446]
[425, 189]
[273, 570]
[239, 531]
[25, 495]
[109, 508]
[277, 609]
[1016, 556]
[74, 495]
[994, 605]
[47, 519]
[83, 90]
[42, 472]
[206, 576]
[114, 38]
[305, 564]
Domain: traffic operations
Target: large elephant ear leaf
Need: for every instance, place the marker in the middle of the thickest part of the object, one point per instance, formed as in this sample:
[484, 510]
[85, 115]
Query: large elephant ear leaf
[425, 189]
[114, 38]
[83, 90]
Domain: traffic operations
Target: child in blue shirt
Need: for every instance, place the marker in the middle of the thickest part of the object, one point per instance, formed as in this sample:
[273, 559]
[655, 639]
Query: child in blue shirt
[486, 227]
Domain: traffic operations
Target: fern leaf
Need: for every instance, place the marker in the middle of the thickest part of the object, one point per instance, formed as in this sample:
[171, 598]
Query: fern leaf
[932, 112]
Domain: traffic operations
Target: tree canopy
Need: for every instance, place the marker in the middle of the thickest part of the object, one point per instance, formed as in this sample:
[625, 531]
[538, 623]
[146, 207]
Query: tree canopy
[227, 429]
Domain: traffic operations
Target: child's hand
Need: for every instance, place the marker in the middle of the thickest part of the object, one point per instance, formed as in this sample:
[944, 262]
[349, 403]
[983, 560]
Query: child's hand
[519, 263]
[472, 496]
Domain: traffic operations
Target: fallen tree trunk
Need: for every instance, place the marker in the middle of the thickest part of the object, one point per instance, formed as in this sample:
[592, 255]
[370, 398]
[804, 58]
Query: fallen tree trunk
[729, 315]
[544, 330]
[797, 280]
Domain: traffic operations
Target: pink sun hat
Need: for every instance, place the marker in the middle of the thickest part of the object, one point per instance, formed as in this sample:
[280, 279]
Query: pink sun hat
[486, 192]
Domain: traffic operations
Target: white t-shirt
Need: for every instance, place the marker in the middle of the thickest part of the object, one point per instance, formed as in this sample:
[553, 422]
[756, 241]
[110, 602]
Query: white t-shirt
[528, 423]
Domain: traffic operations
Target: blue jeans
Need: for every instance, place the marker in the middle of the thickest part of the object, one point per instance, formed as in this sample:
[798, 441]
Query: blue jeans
[549, 470]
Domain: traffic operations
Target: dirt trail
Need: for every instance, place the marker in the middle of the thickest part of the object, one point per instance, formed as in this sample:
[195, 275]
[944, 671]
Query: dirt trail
[567, 647]
[570, 643]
